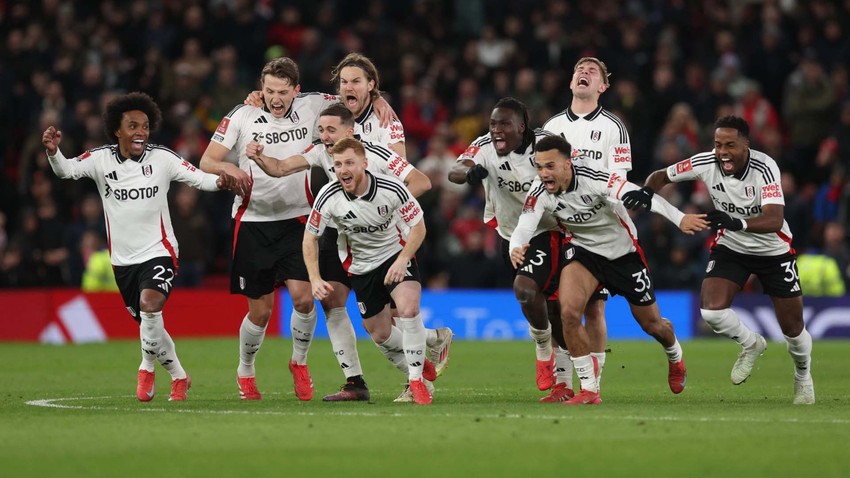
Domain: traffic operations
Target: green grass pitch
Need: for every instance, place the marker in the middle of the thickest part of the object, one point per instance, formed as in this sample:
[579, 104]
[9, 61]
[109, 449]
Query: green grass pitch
[485, 420]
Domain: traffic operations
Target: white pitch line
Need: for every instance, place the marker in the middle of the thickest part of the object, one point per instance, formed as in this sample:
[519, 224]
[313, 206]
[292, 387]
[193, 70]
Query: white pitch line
[55, 403]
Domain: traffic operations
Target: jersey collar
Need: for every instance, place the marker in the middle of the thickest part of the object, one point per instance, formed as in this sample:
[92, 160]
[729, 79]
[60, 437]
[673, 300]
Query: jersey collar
[573, 182]
[365, 116]
[589, 117]
[117, 153]
[371, 191]
[739, 176]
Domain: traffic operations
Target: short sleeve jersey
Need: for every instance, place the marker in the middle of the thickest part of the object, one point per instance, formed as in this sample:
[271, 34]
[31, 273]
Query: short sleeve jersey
[368, 127]
[135, 198]
[272, 199]
[741, 196]
[379, 160]
[370, 224]
[598, 135]
[584, 212]
[507, 183]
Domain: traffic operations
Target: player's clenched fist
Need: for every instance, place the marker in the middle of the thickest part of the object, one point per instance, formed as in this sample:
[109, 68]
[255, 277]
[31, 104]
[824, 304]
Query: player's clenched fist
[50, 139]
[253, 150]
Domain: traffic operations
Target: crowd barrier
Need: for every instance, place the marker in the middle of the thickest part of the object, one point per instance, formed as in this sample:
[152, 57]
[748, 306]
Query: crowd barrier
[58, 316]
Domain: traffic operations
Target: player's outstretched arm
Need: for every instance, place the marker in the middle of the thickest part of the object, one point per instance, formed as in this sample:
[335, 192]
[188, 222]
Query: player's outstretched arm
[457, 174]
[213, 162]
[272, 166]
[693, 223]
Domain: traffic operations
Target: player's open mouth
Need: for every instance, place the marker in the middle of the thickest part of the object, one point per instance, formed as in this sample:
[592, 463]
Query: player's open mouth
[583, 81]
[138, 144]
[346, 180]
[549, 184]
[727, 165]
[351, 101]
[500, 143]
[277, 110]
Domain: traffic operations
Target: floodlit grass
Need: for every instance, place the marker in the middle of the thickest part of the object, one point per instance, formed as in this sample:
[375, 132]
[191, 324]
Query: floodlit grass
[485, 420]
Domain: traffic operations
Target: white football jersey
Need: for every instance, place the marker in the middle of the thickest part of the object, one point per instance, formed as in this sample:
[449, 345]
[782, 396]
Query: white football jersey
[379, 160]
[507, 183]
[741, 196]
[598, 135]
[368, 127]
[369, 226]
[273, 199]
[584, 212]
[135, 197]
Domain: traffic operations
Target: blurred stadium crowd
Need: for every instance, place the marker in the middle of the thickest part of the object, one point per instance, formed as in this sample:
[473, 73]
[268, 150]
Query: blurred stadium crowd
[676, 65]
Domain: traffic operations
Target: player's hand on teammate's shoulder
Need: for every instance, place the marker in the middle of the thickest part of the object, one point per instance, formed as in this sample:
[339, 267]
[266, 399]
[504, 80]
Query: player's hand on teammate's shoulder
[693, 223]
[386, 113]
[253, 150]
[50, 139]
[254, 98]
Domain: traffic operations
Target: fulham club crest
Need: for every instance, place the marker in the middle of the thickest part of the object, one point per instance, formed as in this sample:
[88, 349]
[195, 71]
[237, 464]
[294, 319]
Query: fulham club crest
[595, 135]
[367, 128]
[383, 210]
[710, 266]
[586, 199]
[570, 253]
[294, 117]
[147, 170]
[750, 192]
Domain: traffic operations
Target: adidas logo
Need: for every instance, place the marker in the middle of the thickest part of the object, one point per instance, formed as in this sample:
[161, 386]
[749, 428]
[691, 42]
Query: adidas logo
[113, 176]
[646, 297]
[528, 269]
[796, 287]
[719, 187]
[350, 215]
[506, 166]
[560, 206]
[261, 119]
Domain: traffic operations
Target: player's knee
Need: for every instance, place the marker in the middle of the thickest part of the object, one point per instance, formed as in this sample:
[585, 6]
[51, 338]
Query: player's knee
[570, 317]
[147, 304]
[524, 292]
[407, 310]
[303, 304]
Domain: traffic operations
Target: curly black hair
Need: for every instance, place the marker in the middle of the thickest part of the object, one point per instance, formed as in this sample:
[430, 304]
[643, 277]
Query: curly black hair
[116, 108]
[555, 142]
[734, 122]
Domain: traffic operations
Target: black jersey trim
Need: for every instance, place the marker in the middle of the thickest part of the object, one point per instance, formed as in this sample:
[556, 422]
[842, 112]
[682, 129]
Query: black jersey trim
[401, 191]
[624, 134]
[334, 188]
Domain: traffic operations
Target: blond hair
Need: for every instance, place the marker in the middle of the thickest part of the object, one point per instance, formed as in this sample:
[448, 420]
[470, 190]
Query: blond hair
[601, 64]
